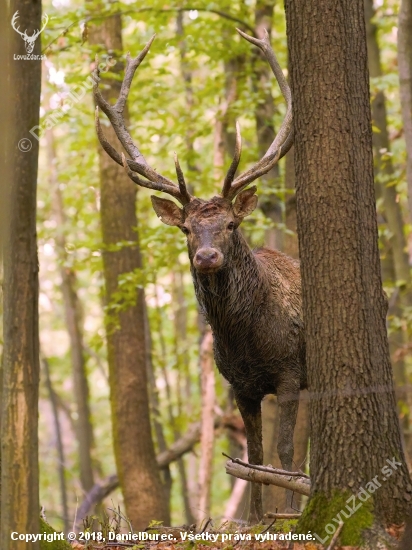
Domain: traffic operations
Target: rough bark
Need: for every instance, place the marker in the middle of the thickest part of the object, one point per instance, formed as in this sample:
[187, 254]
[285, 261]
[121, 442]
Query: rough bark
[133, 445]
[392, 208]
[84, 429]
[405, 80]
[19, 407]
[354, 424]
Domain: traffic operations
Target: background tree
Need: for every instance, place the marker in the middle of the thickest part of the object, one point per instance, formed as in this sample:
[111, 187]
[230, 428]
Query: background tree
[19, 408]
[354, 425]
[133, 445]
[405, 83]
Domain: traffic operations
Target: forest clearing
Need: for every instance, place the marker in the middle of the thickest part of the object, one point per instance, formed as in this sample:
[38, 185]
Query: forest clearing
[206, 294]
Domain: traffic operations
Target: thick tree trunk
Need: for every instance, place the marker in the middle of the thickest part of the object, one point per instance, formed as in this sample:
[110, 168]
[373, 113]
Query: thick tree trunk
[405, 78]
[392, 208]
[354, 424]
[84, 429]
[19, 406]
[133, 445]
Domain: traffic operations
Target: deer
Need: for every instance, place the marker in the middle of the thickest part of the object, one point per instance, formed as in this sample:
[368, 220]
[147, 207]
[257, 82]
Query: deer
[250, 298]
[29, 41]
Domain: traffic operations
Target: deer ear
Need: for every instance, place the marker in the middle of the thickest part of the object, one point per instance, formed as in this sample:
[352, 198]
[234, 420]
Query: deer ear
[167, 211]
[245, 202]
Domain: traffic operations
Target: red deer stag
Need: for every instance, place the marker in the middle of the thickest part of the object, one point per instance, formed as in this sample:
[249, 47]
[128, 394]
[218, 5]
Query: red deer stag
[251, 299]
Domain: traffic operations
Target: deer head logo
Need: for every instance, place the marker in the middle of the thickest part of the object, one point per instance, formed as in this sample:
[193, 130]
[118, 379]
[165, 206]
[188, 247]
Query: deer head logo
[29, 41]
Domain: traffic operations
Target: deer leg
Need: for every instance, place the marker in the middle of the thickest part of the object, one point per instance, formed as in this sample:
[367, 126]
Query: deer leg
[288, 400]
[252, 418]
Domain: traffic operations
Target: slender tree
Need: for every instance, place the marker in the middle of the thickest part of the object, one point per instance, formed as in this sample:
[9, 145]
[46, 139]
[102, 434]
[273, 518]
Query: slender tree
[355, 435]
[405, 79]
[133, 445]
[84, 428]
[19, 407]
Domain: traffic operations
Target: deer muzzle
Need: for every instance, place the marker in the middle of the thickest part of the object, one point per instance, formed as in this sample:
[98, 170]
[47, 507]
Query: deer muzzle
[207, 260]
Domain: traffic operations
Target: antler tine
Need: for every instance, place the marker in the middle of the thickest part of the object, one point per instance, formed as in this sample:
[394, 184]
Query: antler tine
[235, 162]
[284, 139]
[137, 163]
[131, 66]
[181, 180]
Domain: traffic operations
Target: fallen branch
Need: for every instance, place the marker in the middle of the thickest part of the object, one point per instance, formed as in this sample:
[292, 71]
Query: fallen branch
[272, 515]
[299, 484]
[268, 468]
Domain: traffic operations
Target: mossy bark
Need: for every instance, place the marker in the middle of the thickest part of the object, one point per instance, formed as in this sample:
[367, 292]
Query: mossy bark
[55, 544]
[354, 424]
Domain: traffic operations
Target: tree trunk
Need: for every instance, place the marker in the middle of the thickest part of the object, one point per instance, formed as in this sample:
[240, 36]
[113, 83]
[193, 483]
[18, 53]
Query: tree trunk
[84, 429]
[133, 445]
[405, 79]
[265, 130]
[59, 445]
[19, 407]
[354, 424]
[207, 419]
[392, 208]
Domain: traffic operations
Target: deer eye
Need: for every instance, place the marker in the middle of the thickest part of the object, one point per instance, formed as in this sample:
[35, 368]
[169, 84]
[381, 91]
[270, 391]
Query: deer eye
[231, 226]
[185, 230]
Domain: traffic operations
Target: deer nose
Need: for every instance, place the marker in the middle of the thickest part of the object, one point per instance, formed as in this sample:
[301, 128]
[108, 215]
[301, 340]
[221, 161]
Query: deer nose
[208, 258]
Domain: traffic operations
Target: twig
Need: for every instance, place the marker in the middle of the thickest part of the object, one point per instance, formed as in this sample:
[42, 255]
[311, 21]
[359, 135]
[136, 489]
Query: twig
[270, 525]
[282, 516]
[335, 536]
[206, 525]
[269, 469]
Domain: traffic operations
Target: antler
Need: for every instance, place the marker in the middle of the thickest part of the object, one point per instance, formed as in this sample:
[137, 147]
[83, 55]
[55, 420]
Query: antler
[282, 142]
[13, 23]
[137, 164]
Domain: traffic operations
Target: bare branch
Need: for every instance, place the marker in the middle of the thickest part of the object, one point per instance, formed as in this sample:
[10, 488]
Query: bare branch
[300, 485]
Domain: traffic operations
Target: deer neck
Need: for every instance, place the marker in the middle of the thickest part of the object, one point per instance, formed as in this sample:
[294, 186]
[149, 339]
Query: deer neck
[231, 294]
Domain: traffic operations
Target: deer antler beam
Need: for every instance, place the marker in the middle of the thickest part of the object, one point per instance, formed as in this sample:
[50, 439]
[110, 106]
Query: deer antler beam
[137, 163]
[283, 140]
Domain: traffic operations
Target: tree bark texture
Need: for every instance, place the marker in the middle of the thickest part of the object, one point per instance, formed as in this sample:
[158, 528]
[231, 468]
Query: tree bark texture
[405, 80]
[133, 445]
[397, 253]
[19, 408]
[354, 423]
[84, 428]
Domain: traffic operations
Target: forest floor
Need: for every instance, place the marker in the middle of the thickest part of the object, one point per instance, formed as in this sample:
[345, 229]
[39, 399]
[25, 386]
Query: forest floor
[247, 542]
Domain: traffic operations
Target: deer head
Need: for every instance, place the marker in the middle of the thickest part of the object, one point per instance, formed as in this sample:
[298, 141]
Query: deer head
[29, 41]
[209, 225]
